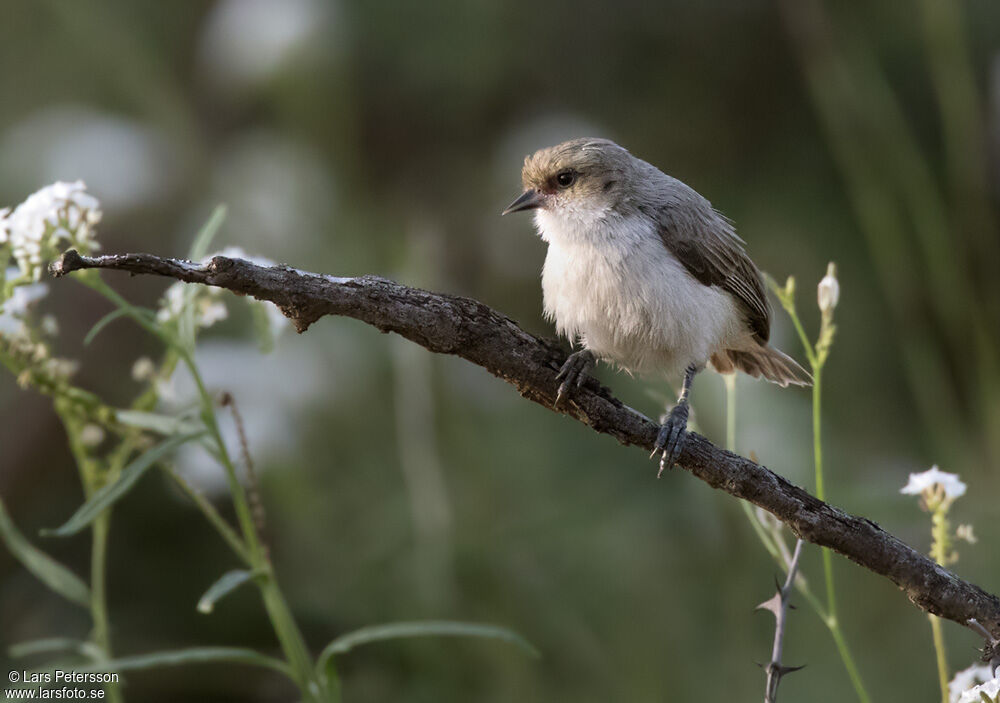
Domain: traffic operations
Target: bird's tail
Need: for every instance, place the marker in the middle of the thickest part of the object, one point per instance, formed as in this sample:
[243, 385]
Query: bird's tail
[772, 364]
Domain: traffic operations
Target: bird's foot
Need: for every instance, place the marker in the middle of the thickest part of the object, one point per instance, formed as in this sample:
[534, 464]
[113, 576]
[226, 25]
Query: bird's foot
[671, 437]
[574, 372]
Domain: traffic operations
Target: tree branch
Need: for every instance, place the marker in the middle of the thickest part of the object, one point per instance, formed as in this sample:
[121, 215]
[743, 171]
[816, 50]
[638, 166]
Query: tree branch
[449, 324]
[778, 605]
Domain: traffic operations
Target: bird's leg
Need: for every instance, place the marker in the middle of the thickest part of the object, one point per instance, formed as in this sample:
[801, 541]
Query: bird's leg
[673, 429]
[574, 372]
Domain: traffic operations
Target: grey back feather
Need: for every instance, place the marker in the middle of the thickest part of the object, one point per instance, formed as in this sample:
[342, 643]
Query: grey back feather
[705, 242]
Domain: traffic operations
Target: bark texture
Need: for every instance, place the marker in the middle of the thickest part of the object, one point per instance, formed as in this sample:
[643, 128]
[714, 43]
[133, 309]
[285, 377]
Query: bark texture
[448, 324]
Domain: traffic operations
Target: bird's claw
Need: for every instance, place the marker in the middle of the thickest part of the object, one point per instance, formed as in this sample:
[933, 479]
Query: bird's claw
[573, 373]
[671, 437]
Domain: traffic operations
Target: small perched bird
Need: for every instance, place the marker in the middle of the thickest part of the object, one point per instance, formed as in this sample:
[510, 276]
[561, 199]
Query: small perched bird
[643, 272]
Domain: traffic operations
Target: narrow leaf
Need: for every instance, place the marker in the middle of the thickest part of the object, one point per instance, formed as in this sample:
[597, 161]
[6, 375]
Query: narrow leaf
[424, 628]
[47, 646]
[181, 657]
[41, 565]
[110, 493]
[155, 422]
[227, 583]
[191, 655]
[114, 315]
[203, 240]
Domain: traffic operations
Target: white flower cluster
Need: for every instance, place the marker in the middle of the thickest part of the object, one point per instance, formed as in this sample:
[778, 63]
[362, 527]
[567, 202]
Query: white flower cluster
[969, 683]
[932, 480]
[14, 310]
[209, 309]
[57, 217]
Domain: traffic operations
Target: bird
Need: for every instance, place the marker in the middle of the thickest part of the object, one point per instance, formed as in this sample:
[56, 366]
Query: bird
[643, 273]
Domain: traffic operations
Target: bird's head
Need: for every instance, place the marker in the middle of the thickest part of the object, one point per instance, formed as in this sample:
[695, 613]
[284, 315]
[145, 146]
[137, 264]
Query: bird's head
[582, 177]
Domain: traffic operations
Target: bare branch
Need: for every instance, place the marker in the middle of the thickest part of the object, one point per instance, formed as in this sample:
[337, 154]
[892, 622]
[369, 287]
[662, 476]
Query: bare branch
[449, 324]
[778, 605]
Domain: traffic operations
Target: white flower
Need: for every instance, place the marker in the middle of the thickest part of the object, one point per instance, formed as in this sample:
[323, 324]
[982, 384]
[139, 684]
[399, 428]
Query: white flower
[23, 297]
[15, 308]
[207, 302]
[143, 369]
[927, 480]
[210, 312]
[50, 325]
[828, 291]
[966, 679]
[172, 302]
[989, 691]
[91, 435]
[56, 217]
[276, 321]
[965, 532]
[62, 368]
[4, 225]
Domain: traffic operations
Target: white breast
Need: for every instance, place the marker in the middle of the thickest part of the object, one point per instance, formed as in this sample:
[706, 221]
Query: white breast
[611, 284]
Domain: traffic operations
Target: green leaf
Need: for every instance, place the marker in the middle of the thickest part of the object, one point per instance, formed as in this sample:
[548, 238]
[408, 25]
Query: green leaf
[203, 240]
[54, 644]
[114, 315]
[227, 583]
[41, 565]
[108, 494]
[191, 655]
[155, 422]
[418, 628]
[181, 657]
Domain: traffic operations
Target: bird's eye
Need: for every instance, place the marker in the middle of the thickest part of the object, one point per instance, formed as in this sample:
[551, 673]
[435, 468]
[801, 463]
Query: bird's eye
[565, 178]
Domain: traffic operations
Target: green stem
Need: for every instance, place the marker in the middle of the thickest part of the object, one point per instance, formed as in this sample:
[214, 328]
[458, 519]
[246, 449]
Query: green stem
[92, 478]
[213, 517]
[730, 380]
[831, 597]
[289, 636]
[98, 593]
[828, 617]
[942, 657]
[845, 654]
[941, 553]
[817, 437]
[817, 358]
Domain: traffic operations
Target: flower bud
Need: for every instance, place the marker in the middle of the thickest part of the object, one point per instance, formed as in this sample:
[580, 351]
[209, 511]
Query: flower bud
[91, 435]
[143, 369]
[828, 291]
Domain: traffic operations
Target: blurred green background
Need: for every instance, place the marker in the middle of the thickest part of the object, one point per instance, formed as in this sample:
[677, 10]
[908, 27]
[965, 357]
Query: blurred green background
[375, 137]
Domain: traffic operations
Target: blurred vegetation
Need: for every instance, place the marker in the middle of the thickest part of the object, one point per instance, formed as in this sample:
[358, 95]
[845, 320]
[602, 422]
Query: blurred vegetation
[373, 137]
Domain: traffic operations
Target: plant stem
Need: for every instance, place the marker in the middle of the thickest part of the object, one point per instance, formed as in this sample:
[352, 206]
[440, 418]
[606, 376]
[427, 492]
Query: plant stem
[730, 380]
[98, 593]
[831, 597]
[845, 655]
[940, 552]
[832, 621]
[289, 636]
[941, 655]
[92, 477]
[285, 628]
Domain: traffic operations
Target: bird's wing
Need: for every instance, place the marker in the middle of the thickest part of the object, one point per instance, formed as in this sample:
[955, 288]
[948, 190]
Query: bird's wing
[708, 246]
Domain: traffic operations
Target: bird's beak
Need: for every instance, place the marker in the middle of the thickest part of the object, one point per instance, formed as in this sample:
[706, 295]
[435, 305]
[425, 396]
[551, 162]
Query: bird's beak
[528, 200]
